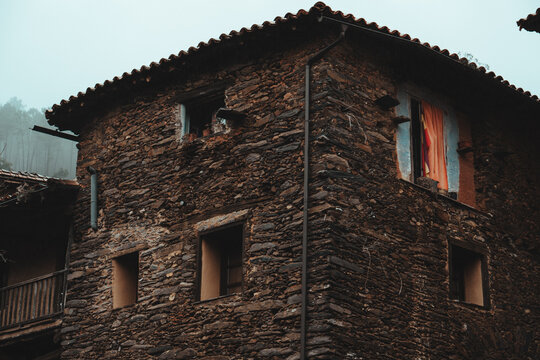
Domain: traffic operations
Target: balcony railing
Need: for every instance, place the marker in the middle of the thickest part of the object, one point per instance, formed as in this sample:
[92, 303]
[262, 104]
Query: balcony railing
[32, 300]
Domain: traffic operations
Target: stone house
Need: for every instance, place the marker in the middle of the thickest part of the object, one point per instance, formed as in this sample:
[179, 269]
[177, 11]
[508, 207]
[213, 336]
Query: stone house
[35, 213]
[413, 234]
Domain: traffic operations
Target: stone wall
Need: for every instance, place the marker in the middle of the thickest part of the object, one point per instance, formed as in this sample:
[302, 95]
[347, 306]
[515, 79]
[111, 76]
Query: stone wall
[378, 253]
[388, 263]
[155, 190]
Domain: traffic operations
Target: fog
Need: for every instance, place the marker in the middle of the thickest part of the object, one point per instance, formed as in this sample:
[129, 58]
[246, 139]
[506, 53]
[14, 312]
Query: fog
[22, 149]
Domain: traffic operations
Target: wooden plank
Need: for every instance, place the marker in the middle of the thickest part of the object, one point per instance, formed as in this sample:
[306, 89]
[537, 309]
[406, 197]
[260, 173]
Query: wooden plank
[17, 305]
[28, 301]
[24, 300]
[3, 309]
[33, 280]
[34, 301]
[45, 299]
[13, 310]
[39, 299]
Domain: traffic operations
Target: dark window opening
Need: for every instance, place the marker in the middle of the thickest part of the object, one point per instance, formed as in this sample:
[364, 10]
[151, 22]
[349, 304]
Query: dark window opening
[468, 276]
[125, 280]
[221, 263]
[200, 115]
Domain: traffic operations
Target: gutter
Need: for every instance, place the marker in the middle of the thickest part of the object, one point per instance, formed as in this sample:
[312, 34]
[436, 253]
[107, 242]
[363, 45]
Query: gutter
[55, 133]
[303, 315]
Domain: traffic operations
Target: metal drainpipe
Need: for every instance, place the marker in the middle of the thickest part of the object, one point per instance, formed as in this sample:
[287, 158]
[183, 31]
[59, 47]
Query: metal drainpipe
[303, 316]
[93, 197]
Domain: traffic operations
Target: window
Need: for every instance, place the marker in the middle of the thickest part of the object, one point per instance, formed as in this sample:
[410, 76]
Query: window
[434, 145]
[221, 263]
[468, 276]
[428, 143]
[198, 116]
[125, 280]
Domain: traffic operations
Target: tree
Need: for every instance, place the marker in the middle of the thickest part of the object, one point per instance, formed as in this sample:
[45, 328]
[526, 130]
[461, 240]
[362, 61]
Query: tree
[4, 164]
[22, 149]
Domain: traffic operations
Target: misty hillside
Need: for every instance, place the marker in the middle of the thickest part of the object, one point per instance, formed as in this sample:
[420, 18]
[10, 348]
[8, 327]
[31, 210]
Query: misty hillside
[22, 149]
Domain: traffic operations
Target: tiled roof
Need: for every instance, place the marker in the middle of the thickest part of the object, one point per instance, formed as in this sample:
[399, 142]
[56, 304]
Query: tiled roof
[15, 178]
[18, 176]
[144, 74]
[531, 22]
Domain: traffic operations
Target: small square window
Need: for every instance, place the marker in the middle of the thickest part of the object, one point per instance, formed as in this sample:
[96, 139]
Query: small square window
[468, 276]
[125, 280]
[221, 263]
[198, 116]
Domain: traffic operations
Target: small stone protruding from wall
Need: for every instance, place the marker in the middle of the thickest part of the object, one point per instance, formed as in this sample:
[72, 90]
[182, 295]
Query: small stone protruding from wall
[428, 183]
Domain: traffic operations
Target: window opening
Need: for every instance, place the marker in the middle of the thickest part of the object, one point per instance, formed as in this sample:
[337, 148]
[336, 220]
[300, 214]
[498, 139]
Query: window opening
[199, 116]
[468, 276]
[221, 263]
[125, 280]
[428, 143]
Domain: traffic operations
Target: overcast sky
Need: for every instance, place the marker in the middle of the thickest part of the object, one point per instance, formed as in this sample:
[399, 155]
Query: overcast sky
[52, 49]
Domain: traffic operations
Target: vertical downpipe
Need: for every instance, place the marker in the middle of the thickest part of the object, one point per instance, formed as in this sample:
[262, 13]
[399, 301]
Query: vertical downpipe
[93, 198]
[303, 314]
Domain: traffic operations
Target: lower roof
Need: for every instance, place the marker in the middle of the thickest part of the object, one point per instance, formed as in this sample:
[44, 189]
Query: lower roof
[11, 183]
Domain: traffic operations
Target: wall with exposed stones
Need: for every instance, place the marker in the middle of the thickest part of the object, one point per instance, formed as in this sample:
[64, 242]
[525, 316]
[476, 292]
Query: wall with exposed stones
[157, 192]
[378, 251]
[388, 262]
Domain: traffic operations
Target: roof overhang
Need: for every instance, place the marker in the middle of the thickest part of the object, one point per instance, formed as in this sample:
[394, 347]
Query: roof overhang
[71, 114]
[18, 189]
[531, 22]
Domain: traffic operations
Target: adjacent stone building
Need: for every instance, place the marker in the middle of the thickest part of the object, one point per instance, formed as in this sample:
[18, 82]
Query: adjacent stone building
[422, 220]
[35, 214]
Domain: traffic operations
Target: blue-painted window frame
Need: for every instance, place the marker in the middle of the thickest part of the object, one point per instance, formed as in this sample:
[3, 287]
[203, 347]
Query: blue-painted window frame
[404, 136]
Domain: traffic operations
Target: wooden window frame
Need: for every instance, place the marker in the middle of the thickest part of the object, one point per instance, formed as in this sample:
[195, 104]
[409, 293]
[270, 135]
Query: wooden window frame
[195, 100]
[201, 237]
[479, 251]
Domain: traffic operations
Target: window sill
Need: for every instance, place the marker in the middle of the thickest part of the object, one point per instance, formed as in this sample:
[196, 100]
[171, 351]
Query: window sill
[469, 306]
[210, 139]
[446, 198]
[217, 299]
[125, 307]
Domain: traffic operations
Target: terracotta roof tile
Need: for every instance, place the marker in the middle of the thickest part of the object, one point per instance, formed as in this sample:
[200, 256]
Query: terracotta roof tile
[319, 8]
[531, 22]
[11, 180]
[19, 176]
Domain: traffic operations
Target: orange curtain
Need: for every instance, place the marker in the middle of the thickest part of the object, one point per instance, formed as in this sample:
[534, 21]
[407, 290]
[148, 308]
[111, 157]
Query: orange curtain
[434, 142]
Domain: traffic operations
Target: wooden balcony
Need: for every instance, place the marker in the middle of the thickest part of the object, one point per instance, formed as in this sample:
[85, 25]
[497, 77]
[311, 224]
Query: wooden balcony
[32, 300]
